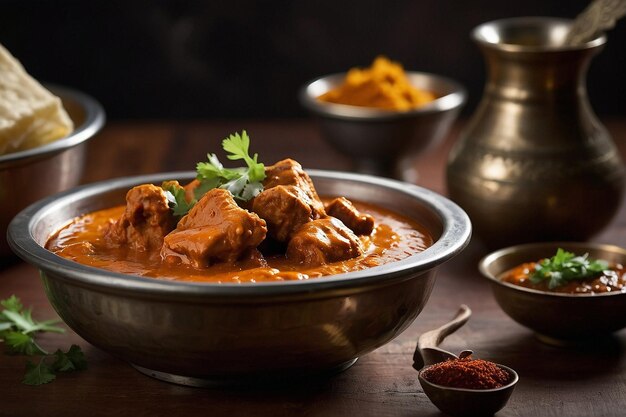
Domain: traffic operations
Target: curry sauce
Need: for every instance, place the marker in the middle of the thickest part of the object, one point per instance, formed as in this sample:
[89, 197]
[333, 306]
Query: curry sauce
[613, 279]
[394, 238]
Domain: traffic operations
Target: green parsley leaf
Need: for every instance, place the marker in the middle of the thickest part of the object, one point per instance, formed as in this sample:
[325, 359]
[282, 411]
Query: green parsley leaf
[38, 374]
[565, 266]
[76, 355]
[214, 170]
[62, 363]
[244, 183]
[72, 360]
[238, 148]
[251, 190]
[19, 343]
[12, 304]
[48, 326]
[19, 320]
[24, 322]
[17, 330]
[204, 187]
[177, 199]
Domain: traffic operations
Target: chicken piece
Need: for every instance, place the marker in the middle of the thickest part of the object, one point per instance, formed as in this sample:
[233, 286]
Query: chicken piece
[190, 190]
[146, 220]
[323, 241]
[252, 258]
[344, 210]
[288, 200]
[216, 229]
[285, 208]
[290, 172]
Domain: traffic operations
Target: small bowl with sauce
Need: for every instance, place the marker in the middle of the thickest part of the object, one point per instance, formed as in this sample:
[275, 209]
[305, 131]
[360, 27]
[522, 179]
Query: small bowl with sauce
[396, 114]
[561, 311]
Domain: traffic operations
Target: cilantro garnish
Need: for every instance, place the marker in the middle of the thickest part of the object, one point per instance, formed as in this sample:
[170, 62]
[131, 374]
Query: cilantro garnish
[566, 266]
[243, 183]
[176, 197]
[49, 365]
[17, 330]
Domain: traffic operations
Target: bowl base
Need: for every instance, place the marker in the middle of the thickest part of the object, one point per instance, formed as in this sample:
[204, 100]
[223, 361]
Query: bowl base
[223, 381]
[565, 343]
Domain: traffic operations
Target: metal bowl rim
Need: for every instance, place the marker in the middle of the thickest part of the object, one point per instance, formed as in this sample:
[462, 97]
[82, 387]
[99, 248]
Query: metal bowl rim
[455, 236]
[94, 121]
[450, 101]
[493, 256]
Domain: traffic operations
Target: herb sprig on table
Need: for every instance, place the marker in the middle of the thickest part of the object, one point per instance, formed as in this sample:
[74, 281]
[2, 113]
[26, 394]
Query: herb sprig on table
[17, 331]
[243, 183]
[566, 266]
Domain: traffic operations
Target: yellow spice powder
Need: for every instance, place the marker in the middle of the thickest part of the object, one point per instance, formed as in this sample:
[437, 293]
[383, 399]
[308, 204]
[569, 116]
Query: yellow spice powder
[384, 85]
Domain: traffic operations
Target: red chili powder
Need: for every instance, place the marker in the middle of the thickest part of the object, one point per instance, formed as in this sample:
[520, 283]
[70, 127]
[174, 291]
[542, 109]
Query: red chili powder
[466, 373]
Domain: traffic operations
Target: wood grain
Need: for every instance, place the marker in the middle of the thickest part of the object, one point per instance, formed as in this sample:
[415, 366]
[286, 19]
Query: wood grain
[554, 382]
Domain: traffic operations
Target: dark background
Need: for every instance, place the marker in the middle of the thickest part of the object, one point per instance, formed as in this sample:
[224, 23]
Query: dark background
[245, 58]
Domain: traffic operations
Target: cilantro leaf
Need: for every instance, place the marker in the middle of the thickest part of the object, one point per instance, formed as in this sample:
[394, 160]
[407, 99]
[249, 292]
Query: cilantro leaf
[24, 322]
[20, 343]
[42, 373]
[238, 147]
[17, 331]
[47, 326]
[203, 187]
[72, 360]
[214, 170]
[244, 183]
[177, 198]
[38, 374]
[20, 321]
[565, 266]
[12, 304]
[76, 355]
[251, 190]
[61, 362]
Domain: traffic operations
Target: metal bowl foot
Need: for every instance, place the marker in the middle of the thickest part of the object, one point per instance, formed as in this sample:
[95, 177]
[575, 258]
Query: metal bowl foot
[240, 381]
[582, 342]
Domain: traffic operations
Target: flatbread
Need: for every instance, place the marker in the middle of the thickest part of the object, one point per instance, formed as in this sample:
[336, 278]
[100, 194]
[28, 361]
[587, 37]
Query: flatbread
[30, 115]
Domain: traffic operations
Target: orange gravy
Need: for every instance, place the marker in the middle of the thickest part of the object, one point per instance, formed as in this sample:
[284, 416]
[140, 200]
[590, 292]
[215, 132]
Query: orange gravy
[394, 238]
[611, 280]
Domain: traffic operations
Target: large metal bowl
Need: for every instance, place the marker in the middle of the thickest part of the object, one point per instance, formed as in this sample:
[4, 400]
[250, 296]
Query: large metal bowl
[378, 139]
[202, 333]
[557, 318]
[30, 175]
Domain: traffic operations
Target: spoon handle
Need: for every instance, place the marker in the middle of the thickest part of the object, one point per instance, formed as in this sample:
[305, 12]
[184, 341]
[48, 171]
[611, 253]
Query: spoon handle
[433, 338]
[599, 16]
[430, 340]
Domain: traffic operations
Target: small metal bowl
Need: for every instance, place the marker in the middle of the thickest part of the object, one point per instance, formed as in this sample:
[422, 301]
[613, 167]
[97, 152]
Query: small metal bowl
[30, 175]
[560, 319]
[377, 139]
[207, 333]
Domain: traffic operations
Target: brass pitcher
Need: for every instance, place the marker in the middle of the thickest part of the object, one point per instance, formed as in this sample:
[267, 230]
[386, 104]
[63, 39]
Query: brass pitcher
[535, 163]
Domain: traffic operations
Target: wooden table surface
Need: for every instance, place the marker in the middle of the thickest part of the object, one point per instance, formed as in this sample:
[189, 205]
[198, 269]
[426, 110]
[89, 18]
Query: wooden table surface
[554, 381]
